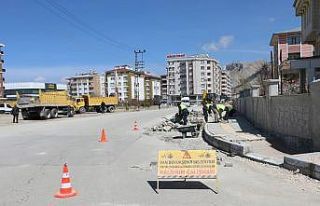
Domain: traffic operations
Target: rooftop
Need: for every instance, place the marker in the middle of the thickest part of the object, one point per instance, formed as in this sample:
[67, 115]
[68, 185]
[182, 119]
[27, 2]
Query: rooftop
[289, 31]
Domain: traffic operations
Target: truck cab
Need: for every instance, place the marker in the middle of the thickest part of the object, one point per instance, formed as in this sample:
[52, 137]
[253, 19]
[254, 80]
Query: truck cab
[80, 105]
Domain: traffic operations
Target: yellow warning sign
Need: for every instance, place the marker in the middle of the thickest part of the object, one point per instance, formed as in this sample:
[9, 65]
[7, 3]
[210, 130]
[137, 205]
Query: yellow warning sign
[187, 164]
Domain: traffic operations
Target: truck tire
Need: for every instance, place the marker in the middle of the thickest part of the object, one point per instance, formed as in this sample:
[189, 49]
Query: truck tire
[54, 113]
[111, 109]
[25, 115]
[70, 112]
[82, 110]
[46, 114]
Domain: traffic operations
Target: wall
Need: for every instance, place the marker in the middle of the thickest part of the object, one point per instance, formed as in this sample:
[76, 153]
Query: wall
[293, 119]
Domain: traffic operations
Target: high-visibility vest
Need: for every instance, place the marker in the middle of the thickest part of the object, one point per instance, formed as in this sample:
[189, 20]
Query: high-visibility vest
[183, 106]
[221, 106]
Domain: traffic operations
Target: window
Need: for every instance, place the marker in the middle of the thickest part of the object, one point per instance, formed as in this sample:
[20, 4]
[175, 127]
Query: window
[209, 74]
[202, 62]
[292, 40]
[208, 62]
[202, 67]
[293, 56]
[209, 79]
[208, 68]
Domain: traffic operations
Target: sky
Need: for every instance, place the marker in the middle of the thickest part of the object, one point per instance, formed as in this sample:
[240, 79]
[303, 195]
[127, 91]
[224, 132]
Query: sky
[49, 40]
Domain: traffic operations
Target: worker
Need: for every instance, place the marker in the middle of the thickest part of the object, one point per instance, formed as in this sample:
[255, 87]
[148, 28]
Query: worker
[220, 108]
[206, 109]
[15, 114]
[215, 111]
[183, 110]
[229, 110]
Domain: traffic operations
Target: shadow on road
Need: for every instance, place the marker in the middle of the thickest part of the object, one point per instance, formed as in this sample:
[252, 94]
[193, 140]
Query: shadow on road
[179, 185]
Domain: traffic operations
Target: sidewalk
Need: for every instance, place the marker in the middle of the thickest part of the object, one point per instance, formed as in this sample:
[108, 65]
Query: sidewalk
[239, 137]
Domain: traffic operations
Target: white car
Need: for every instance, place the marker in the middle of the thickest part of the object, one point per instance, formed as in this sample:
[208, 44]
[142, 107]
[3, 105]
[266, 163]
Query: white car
[5, 108]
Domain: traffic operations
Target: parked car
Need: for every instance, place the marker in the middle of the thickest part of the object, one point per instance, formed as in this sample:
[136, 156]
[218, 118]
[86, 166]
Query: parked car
[5, 108]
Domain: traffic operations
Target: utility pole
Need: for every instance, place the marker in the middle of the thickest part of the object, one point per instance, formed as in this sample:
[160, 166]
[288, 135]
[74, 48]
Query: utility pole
[138, 67]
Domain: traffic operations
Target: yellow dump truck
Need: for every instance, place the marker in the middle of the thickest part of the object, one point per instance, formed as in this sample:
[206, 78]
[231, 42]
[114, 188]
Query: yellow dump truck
[47, 105]
[98, 104]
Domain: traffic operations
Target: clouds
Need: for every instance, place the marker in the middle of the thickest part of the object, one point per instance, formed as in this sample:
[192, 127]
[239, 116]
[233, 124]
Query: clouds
[224, 42]
[39, 79]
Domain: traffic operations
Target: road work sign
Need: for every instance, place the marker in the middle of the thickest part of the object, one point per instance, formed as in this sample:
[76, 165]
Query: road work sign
[187, 164]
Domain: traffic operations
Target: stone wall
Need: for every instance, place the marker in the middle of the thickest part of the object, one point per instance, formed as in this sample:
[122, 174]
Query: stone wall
[294, 119]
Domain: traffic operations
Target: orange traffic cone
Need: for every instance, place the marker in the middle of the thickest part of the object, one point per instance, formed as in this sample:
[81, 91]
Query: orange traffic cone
[135, 126]
[66, 189]
[103, 137]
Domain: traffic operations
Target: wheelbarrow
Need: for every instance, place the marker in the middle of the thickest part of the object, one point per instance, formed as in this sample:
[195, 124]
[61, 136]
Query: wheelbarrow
[192, 128]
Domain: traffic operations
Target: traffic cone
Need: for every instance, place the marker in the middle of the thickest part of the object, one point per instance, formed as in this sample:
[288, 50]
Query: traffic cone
[103, 137]
[135, 126]
[66, 189]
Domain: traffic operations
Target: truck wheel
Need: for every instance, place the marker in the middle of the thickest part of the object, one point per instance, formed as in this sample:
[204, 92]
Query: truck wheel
[70, 113]
[25, 115]
[82, 110]
[46, 114]
[54, 113]
[111, 109]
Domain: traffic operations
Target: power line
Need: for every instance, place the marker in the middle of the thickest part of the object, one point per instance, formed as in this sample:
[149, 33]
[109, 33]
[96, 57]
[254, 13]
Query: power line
[68, 16]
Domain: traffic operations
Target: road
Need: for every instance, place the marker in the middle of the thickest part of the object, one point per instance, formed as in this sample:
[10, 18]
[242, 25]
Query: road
[119, 172]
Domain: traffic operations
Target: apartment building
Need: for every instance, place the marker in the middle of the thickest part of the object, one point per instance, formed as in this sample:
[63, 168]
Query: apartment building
[298, 73]
[152, 86]
[91, 83]
[191, 76]
[309, 11]
[2, 70]
[121, 81]
[164, 88]
[287, 45]
[225, 84]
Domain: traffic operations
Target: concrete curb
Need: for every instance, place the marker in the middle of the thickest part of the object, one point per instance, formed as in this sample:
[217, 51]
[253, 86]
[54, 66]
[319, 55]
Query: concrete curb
[220, 143]
[307, 168]
[237, 148]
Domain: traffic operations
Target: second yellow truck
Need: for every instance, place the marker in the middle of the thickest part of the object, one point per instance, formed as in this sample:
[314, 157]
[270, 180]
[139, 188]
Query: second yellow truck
[98, 104]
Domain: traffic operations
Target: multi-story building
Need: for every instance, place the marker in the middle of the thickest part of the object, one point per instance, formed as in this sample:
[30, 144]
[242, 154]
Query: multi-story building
[287, 46]
[121, 80]
[164, 88]
[309, 11]
[91, 83]
[298, 73]
[30, 88]
[152, 86]
[225, 83]
[2, 70]
[191, 76]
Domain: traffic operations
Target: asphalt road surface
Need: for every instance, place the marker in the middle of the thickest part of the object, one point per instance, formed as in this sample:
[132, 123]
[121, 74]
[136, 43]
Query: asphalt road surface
[119, 172]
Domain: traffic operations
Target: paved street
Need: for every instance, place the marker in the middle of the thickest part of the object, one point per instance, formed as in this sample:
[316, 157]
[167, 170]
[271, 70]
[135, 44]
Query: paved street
[119, 172]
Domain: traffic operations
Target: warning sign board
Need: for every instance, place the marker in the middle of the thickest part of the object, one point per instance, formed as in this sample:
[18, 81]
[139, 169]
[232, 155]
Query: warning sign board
[187, 164]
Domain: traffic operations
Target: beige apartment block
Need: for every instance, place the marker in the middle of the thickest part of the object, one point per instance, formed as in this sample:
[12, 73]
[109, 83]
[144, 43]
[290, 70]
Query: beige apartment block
[121, 81]
[90, 83]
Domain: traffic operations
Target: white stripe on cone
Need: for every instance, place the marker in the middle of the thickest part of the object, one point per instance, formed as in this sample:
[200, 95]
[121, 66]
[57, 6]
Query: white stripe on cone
[65, 185]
